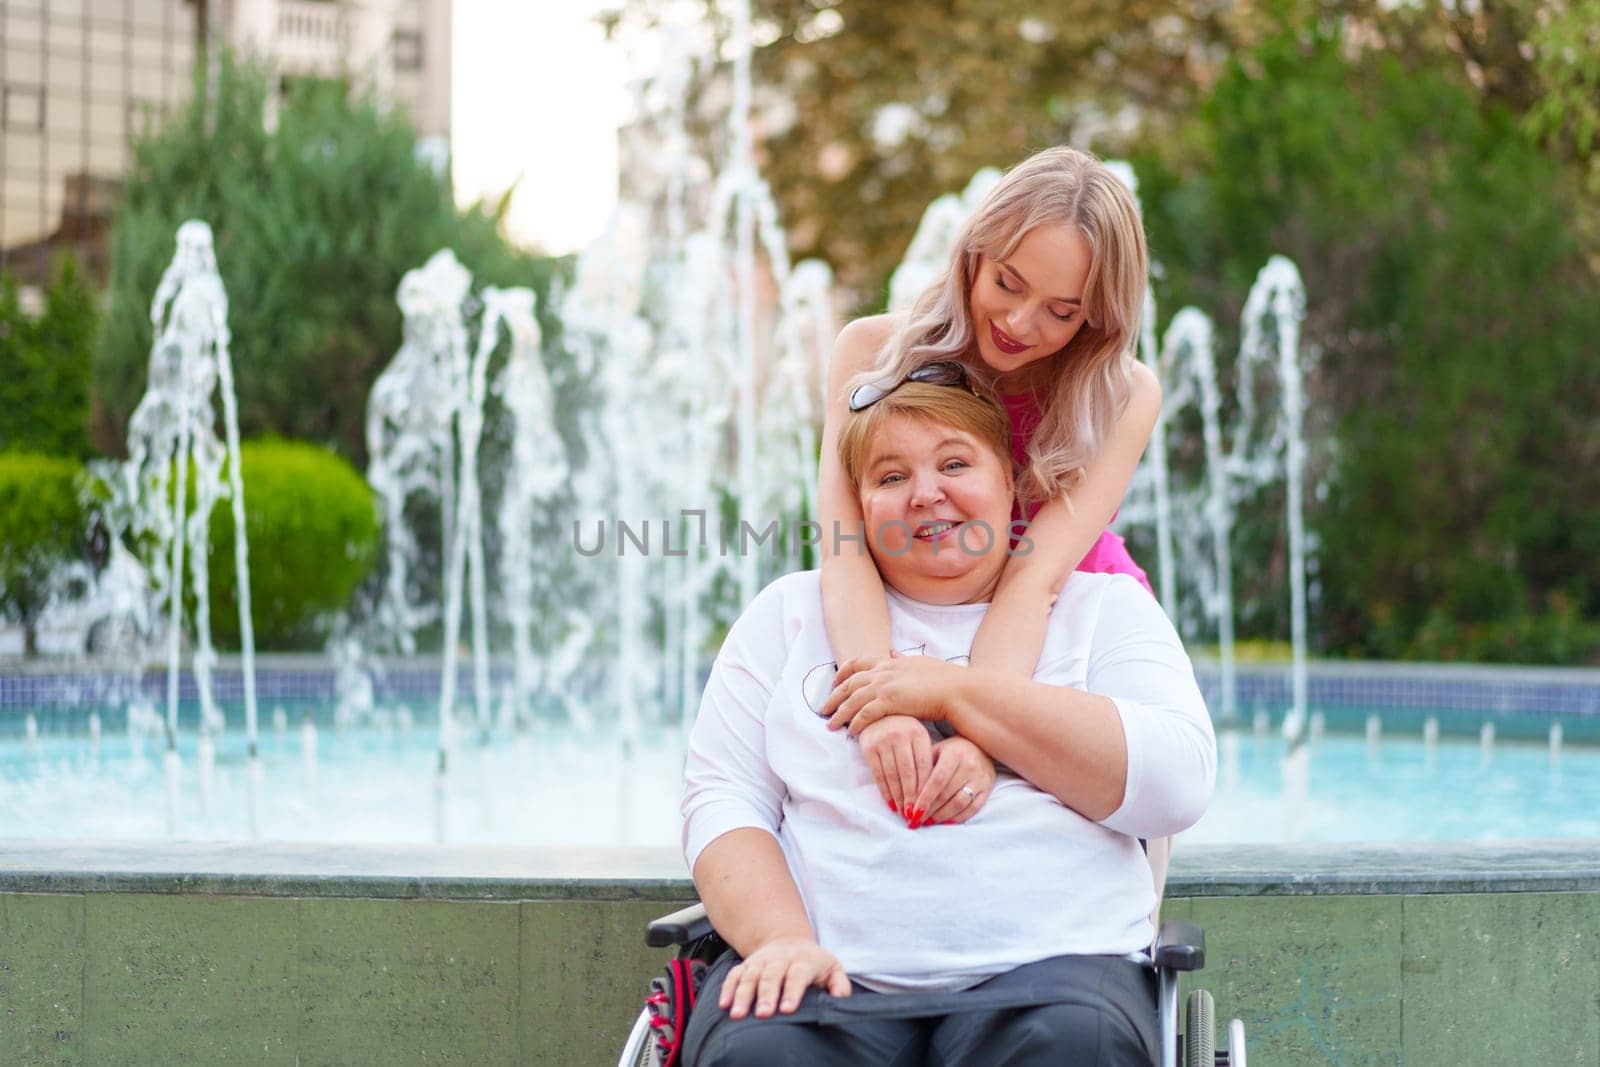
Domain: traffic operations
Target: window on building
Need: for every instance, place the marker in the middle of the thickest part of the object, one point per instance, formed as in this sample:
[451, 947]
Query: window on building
[407, 50]
[22, 107]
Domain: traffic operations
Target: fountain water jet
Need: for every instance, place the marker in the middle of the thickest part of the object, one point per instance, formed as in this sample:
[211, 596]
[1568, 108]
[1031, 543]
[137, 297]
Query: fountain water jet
[410, 433]
[412, 416]
[1279, 295]
[173, 429]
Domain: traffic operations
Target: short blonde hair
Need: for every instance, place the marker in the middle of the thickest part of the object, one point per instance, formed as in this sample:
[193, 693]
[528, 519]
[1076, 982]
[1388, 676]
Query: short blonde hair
[971, 412]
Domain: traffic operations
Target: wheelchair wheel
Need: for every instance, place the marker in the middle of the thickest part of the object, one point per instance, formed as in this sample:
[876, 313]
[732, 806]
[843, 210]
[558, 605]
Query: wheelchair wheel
[1199, 1030]
[1236, 1055]
[641, 1049]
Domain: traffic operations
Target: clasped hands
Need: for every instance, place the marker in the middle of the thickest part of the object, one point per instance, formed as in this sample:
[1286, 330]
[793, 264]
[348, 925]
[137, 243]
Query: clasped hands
[884, 703]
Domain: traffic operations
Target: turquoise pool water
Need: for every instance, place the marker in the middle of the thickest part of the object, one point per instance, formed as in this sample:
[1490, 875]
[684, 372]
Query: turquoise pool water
[1400, 790]
[558, 786]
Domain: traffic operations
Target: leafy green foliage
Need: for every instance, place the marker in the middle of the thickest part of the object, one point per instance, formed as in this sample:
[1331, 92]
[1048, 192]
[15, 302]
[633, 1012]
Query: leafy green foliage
[313, 535]
[41, 527]
[315, 222]
[1566, 47]
[1455, 313]
[44, 366]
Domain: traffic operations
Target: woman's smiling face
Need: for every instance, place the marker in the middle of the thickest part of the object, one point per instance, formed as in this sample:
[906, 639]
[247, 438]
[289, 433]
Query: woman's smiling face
[1028, 305]
[937, 505]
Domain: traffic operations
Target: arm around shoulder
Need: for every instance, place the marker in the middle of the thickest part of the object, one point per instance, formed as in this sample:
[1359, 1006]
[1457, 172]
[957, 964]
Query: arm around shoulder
[855, 609]
[1061, 534]
[1106, 479]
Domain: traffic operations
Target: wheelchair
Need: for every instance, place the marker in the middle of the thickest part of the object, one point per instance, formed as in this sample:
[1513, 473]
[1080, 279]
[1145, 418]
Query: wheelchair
[1180, 946]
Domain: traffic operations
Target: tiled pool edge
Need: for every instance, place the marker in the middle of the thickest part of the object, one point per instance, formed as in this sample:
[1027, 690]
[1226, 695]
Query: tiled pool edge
[484, 873]
[39, 685]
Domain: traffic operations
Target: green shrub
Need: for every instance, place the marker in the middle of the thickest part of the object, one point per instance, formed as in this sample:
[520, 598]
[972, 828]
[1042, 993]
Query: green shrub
[41, 527]
[1556, 634]
[44, 366]
[313, 535]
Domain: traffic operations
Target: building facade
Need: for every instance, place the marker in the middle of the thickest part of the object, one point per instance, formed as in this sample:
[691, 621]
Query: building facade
[80, 78]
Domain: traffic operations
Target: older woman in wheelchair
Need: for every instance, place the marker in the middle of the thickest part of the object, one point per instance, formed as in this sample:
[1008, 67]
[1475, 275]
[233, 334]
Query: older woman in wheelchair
[984, 918]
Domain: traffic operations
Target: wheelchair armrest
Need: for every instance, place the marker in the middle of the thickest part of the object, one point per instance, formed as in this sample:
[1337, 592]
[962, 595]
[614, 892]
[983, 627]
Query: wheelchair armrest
[1181, 945]
[679, 928]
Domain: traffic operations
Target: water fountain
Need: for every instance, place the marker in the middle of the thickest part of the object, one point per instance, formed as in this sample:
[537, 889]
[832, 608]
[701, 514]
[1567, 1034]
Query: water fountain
[707, 346]
[172, 430]
[426, 422]
[464, 549]
[1271, 341]
[352, 682]
[538, 460]
[683, 320]
[412, 452]
[610, 338]
[1204, 510]
[410, 434]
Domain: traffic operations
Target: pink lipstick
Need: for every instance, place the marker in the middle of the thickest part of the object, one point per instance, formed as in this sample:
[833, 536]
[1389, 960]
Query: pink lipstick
[1004, 341]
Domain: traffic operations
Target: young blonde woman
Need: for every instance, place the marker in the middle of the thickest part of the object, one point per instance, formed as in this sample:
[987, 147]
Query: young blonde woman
[1042, 303]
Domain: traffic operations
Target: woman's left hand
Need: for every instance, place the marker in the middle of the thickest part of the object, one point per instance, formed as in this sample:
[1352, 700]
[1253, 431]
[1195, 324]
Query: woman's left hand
[866, 690]
[961, 782]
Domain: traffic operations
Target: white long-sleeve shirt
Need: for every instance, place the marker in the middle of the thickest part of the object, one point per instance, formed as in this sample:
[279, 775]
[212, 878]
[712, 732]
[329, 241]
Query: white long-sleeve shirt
[943, 907]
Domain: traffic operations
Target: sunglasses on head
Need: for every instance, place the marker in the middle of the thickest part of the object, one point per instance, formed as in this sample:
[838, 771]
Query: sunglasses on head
[941, 372]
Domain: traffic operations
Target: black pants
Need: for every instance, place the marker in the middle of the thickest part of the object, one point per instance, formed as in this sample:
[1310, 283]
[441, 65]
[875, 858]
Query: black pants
[1063, 1010]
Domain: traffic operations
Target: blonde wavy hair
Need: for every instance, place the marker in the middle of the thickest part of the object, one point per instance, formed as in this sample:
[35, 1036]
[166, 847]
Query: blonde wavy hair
[1086, 384]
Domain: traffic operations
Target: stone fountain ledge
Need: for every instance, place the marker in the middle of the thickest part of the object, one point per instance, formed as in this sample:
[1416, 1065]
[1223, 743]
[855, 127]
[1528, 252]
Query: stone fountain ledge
[458, 872]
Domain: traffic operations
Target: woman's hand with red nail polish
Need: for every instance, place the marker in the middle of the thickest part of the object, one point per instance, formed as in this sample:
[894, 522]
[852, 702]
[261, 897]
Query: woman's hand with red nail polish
[899, 753]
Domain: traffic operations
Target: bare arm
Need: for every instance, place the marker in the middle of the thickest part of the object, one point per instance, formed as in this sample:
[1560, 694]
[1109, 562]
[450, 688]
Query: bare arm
[1067, 742]
[1012, 633]
[732, 810]
[1130, 745]
[745, 884]
[855, 609]
[854, 606]
[1134, 748]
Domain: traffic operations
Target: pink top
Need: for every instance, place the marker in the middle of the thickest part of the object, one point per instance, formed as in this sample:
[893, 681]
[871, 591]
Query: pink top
[1108, 555]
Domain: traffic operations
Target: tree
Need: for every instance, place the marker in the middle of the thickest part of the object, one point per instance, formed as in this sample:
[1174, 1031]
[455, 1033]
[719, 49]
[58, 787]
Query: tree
[44, 366]
[1455, 312]
[1535, 59]
[316, 219]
